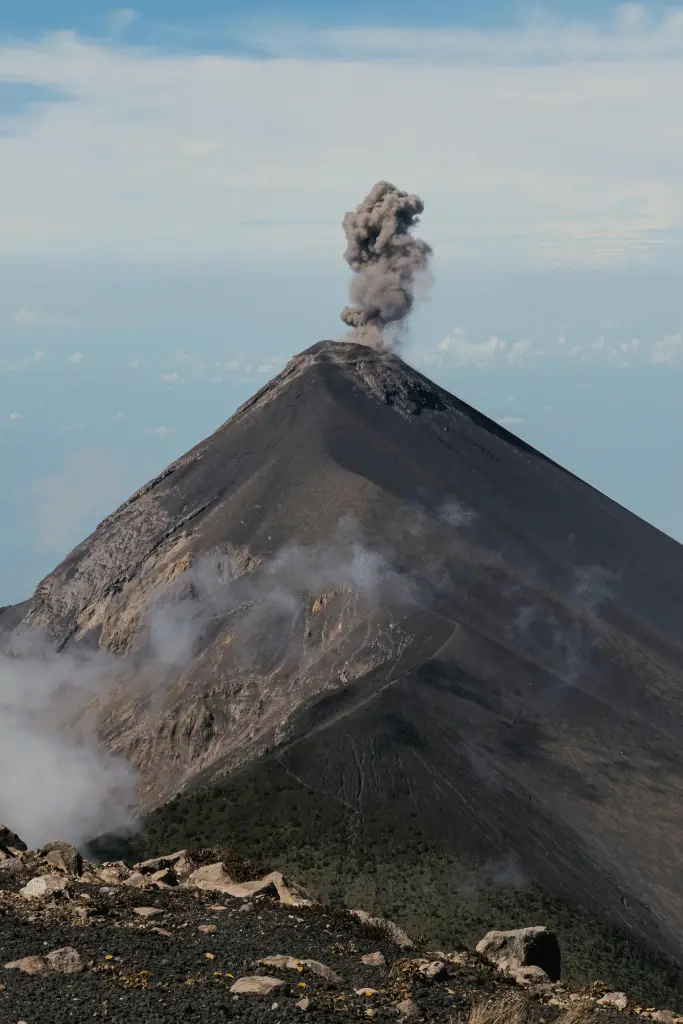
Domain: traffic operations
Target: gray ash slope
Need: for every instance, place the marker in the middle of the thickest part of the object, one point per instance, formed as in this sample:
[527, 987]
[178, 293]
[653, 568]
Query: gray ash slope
[511, 679]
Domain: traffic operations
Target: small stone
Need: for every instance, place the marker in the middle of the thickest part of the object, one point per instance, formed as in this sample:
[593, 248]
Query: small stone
[46, 885]
[159, 931]
[207, 928]
[293, 964]
[254, 985]
[432, 969]
[114, 872]
[366, 992]
[163, 878]
[529, 975]
[373, 959]
[178, 861]
[66, 960]
[147, 912]
[665, 1016]
[616, 999]
[303, 1004]
[29, 965]
[210, 878]
[406, 1009]
[136, 880]
[289, 893]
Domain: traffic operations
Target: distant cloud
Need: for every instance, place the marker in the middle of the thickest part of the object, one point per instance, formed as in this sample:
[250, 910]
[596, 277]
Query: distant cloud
[272, 366]
[668, 351]
[510, 421]
[171, 378]
[156, 431]
[29, 318]
[459, 349]
[76, 357]
[15, 416]
[120, 20]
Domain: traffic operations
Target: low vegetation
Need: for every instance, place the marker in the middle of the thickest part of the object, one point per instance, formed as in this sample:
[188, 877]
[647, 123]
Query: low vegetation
[393, 870]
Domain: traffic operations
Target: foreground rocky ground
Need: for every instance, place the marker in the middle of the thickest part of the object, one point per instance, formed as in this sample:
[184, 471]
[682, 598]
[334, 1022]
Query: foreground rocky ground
[208, 938]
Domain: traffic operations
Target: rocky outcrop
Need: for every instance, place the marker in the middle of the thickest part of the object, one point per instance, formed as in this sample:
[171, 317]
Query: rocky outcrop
[63, 856]
[10, 843]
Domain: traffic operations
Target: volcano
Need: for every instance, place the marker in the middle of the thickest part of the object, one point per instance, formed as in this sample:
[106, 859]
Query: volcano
[365, 591]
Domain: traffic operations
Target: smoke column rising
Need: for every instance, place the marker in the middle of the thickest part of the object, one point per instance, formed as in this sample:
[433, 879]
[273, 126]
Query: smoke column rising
[386, 260]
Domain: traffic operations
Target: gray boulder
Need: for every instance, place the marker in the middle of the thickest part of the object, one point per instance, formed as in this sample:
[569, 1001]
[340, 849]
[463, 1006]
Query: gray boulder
[62, 856]
[523, 947]
[11, 840]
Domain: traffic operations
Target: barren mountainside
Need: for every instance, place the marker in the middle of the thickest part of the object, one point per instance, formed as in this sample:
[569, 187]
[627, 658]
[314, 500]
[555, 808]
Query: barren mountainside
[364, 584]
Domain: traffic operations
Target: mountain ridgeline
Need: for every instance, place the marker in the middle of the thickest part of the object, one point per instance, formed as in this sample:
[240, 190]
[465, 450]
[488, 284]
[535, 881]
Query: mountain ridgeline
[370, 635]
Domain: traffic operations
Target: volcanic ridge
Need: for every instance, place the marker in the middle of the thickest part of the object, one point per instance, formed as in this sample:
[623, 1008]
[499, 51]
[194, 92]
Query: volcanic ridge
[367, 634]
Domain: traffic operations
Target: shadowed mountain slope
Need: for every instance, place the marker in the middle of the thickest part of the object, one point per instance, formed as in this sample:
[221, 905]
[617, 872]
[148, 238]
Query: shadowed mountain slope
[405, 610]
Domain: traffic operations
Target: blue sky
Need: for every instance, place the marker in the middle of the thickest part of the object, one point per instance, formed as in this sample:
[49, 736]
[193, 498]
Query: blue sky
[174, 179]
[32, 17]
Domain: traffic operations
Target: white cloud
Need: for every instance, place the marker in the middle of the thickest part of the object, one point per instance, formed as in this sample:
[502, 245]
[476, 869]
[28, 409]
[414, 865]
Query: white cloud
[465, 352]
[156, 431]
[171, 378]
[76, 357]
[631, 35]
[458, 348]
[120, 20]
[28, 317]
[510, 421]
[548, 143]
[669, 350]
[15, 416]
[271, 366]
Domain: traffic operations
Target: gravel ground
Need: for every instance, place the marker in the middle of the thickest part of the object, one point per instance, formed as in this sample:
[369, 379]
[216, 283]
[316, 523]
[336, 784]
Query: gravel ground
[168, 955]
[135, 973]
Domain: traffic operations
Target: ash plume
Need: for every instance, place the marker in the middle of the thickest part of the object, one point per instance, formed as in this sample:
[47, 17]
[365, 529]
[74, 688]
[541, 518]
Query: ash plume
[387, 262]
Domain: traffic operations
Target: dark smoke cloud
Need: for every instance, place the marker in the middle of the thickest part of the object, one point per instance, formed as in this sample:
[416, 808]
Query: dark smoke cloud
[386, 260]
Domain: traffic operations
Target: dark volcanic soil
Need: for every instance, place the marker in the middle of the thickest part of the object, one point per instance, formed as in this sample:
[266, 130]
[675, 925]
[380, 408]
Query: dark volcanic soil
[136, 974]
